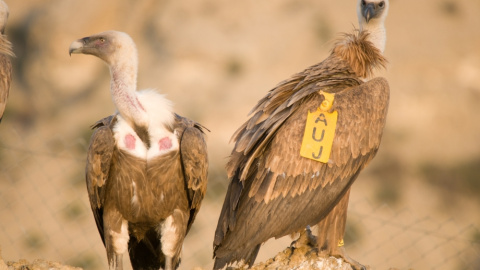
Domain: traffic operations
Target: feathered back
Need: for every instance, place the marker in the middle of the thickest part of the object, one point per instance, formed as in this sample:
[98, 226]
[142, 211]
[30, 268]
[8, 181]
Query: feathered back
[362, 56]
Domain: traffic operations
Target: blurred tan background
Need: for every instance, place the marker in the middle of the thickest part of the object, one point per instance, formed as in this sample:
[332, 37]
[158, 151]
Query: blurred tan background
[416, 206]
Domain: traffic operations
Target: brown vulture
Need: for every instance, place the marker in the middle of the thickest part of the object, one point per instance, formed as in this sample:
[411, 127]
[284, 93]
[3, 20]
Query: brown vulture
[146, 166]
[5, 64]
[307, 140]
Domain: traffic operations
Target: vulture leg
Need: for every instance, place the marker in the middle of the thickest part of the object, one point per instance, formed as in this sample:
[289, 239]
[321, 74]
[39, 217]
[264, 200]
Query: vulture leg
[332, 244]
[116, 239]
[173, 231]
[115, 260]
[168, 263]
[119, 262]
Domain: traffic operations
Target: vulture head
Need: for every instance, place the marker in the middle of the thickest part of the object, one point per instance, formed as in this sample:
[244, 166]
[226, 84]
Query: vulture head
[3, 16]
[371, 18]
[372, 11]
[118, 50]
[113, 47]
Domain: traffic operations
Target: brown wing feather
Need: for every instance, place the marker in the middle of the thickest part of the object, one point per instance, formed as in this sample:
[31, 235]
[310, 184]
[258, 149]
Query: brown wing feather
[253, 136]
[193, 151]
[97, 170]
[361, 118]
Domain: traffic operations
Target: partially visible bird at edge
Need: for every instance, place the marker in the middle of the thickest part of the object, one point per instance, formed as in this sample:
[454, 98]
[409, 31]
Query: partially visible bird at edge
[6, 52]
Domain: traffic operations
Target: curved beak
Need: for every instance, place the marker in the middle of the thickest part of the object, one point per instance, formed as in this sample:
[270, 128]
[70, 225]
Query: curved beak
[369, 11]
[77, 46]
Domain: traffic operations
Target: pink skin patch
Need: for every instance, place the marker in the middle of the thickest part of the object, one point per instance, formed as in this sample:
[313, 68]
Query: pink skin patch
[130, 141]
[164, 143]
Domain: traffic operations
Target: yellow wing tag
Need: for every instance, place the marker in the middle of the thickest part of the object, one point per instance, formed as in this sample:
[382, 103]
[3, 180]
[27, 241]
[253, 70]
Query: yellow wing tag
[320, 131]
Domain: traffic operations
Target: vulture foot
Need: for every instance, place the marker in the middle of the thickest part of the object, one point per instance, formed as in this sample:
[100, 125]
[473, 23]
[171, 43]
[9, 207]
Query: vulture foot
[306, 238]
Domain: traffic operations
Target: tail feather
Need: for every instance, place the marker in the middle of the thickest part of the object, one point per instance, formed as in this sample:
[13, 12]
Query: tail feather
[245, 258]
[146, 254]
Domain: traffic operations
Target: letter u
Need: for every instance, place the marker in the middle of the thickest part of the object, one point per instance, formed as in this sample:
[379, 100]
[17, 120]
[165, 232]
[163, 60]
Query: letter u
[315, 131]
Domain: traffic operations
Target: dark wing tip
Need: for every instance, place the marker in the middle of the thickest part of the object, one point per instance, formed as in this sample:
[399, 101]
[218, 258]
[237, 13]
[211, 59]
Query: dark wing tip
[201, 127]
[187, 122]
[107, 121]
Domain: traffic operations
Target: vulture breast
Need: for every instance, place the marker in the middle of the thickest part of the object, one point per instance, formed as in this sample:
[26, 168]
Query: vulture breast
[162, 138]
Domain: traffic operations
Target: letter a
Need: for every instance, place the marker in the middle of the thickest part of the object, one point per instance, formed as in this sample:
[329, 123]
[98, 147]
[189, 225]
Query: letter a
[321, 118]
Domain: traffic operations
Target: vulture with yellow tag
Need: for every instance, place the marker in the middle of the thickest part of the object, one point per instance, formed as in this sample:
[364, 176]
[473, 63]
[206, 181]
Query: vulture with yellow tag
[5, 64]
[306, 142]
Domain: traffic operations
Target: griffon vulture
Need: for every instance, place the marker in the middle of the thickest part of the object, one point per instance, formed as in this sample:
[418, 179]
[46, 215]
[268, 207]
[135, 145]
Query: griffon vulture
[5, 64]
[146, 166]
[305, 143]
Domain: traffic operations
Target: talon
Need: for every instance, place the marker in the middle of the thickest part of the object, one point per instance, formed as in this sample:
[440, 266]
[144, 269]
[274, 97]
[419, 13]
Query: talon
[306, 238]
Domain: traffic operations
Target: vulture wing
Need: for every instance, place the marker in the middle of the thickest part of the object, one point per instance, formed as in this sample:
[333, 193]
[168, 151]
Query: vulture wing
[273, 190]
[193, 151]
[99, 156]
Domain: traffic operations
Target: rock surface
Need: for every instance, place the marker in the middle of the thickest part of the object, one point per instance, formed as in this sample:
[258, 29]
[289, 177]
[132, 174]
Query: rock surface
[302, 254]
[35, 265]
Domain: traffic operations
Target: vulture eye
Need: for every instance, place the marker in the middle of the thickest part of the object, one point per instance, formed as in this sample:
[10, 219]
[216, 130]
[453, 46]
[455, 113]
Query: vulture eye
[381, 4]
[102, 40]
